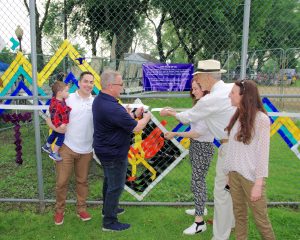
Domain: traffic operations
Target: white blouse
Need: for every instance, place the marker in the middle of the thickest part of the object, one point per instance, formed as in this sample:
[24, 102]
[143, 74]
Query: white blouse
[214, 109]
[252, 160]
[201, 128]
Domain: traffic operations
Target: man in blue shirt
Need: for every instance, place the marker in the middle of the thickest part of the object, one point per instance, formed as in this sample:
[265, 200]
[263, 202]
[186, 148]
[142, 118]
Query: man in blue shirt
[113, 126]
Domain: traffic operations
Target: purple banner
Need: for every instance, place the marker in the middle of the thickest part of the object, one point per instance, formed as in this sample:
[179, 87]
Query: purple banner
[167, 77]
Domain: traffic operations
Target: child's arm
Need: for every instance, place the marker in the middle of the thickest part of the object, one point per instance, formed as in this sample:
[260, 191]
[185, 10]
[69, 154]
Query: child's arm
[63, 126]
[56, 129]
[190, 134]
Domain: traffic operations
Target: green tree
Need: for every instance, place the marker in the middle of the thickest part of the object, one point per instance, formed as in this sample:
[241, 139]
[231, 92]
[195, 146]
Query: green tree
[274, 25]
[39, 31]
[56, 26]
[202, 27]
[109, 18]
[164, 48]
[143, 38]
[7, 56]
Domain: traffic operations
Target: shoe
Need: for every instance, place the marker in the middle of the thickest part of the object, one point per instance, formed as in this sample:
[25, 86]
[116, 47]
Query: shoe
[55, 156]
[120, 211]
[193, 211]
[195, 228]
[47, 149]
[84, 216]
[117, 226]
[59, 218]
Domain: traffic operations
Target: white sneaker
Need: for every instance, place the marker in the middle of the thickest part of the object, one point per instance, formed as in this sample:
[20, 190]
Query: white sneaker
[193, 211]
[195, 228]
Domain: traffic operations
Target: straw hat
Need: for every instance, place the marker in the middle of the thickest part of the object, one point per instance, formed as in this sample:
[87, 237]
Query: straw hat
[209, 66]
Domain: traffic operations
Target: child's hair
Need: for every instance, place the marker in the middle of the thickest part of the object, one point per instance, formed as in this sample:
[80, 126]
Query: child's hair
[58, 86]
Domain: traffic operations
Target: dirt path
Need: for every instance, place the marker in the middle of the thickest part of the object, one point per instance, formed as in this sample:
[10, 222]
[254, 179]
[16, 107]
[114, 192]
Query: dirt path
[279, 90]
[283, 104]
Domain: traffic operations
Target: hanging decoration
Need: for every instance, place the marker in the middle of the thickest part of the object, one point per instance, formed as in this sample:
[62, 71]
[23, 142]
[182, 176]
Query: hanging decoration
[15, 119]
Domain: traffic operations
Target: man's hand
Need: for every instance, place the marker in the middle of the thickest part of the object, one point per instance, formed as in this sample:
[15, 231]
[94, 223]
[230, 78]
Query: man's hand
[50, 125]
[139, 112]
[147, 116]
[63, 126]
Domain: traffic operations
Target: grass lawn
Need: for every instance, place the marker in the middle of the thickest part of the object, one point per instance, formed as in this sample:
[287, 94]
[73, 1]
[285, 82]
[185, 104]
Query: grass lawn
[21, 181]
[148, 223]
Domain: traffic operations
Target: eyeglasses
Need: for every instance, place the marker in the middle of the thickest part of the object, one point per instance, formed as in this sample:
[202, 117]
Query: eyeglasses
[118, 84]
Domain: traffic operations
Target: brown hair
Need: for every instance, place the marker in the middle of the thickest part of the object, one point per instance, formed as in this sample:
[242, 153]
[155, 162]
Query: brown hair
[191, 91]
[249, 105]
[58, 86]
[85, 73]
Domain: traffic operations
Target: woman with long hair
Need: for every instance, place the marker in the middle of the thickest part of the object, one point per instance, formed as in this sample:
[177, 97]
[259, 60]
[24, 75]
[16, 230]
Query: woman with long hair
[201, 153]
[247, 160]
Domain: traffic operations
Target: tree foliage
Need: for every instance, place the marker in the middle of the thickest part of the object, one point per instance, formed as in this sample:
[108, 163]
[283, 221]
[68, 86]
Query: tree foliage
[274, 27]
[39, 30]
[109, 18]
[7, 56]
[183, 31]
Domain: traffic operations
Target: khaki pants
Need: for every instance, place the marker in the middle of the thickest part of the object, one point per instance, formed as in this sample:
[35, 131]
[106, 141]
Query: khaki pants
[64, 168]
[223, 213]
[240, 189]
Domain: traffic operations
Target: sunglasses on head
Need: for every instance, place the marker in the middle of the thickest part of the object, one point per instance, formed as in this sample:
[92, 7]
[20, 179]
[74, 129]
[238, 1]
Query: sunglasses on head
[243, 85]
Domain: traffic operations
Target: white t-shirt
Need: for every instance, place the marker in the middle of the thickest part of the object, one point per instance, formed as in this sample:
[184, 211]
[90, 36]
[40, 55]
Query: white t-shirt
[79, 134]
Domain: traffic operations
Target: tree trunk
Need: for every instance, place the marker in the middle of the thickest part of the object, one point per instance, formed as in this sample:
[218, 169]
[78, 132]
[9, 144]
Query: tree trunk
[94, 42]
[124, 41]
[39, 51]
[190, 56]
[160, 48]
[260, 60]
[159, 43]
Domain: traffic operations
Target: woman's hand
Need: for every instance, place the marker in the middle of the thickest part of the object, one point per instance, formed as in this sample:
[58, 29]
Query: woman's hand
[169, 135]
[256, 193]
[167, 111]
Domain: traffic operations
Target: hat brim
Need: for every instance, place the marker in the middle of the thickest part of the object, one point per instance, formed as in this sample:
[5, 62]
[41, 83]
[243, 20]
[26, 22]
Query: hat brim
[221, 71]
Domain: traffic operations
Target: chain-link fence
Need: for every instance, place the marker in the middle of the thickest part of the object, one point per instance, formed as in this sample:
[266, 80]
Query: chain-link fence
[72, 36]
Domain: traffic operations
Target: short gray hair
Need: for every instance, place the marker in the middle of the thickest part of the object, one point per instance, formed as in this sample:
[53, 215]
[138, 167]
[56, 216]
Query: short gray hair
[108, 77]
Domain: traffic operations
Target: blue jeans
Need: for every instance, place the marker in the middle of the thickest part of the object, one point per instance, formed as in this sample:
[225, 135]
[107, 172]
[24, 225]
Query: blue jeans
[60, 138]
[113, 185]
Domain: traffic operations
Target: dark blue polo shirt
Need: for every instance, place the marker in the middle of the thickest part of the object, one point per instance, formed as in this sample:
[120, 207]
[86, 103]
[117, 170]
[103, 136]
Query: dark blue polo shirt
[112, 129]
